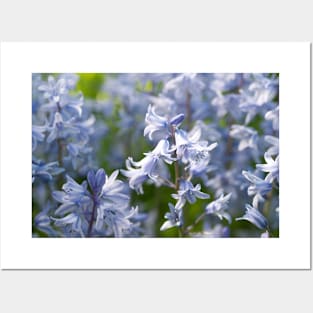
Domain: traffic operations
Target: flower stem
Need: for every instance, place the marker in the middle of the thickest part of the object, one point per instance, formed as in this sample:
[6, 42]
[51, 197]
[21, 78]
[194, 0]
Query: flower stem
[188, 110]
[175, 163]
[199, 219]
[60, 142]
[92, 218]
[60, 151]
[168, 182]
[181, 232]
[268, 203]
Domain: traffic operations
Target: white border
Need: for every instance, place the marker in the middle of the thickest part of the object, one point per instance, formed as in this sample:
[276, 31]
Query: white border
[20, 250]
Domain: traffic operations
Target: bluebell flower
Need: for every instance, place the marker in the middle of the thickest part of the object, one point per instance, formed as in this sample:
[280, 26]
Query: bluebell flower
[76, 151]
[96, 181]
[74, 190]
[74, 197]
[38, 134]
[271, 167]
[116, 219]
[163, 105]
[160, 125]
[189, 148]
[255, 217]
[246, 135]
[258, 188]
[183, 84]
[84, 127]
[72, 137]
[257, 95]
[219, 206]
[71, 222]
[61, 128]
[208, 131]
[224, 181]
[228, 104]
[136, 176]
[273, 116]
[221, 82]
[53, 89]
[274, 142]
[45, 171]
[68, 125]
[261, 91]
[71, 80]
[156, 123]
[59, 100]
[188, 192]
[106, 201]
[113, 189]
[149, 166]
[42, 222]
[174, 218]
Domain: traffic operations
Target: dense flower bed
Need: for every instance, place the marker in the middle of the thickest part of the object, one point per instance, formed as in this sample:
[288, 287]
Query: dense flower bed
[155, 155]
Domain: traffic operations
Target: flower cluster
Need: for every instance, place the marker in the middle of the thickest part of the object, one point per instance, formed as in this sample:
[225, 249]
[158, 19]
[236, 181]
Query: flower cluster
[62, 144]
[97, 207]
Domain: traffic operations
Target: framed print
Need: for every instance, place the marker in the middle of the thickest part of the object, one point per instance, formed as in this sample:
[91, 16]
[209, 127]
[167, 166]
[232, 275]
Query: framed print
[155, 156]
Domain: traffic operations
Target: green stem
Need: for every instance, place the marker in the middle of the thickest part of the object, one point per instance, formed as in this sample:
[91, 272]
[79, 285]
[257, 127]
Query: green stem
[176, 168]
[199, 219]
[267, 205]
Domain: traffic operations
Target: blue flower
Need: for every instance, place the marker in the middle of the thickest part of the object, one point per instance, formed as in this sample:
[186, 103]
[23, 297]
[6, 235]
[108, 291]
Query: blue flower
[261, 91]
[187, 192]
[116, 219]
[45, 171]
[190, 148]
[59, 100]
[53, 89]
[258, 189]
[61, 128]
[274, 142]
[219, 207]
[159, 124]
[68, 125]
[106, 201]
[228, 104]
[42, 222]
[149, 166]
[271, 167]
[38, 134]
[163, 105]
[84, 128]
[174, 218]
[113, 189]
[225, 82]
[273, 116]
[72, 222]
[246, 135]
[74, 197]
[255, 217]
[183, 84]
[136, 176]
[96, 181]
